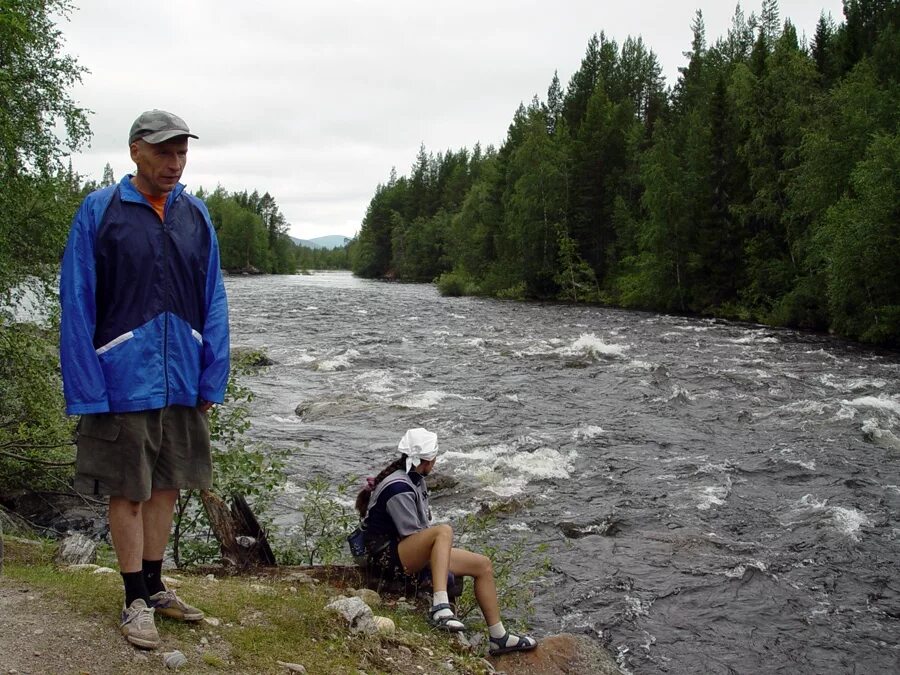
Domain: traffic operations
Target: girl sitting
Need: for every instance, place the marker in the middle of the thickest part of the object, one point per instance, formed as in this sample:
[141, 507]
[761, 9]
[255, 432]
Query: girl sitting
[396, 519]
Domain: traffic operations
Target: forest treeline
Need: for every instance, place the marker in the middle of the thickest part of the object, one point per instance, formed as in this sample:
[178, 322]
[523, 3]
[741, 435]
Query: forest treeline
[764, 185]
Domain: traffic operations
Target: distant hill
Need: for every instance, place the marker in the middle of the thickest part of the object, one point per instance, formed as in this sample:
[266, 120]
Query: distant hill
[330, 241]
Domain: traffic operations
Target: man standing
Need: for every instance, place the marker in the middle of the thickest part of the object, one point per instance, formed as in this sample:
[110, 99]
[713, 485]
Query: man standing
[144, 352]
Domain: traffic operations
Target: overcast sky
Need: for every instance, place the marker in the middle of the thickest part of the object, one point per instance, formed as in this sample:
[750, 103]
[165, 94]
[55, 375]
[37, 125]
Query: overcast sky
[315, 102]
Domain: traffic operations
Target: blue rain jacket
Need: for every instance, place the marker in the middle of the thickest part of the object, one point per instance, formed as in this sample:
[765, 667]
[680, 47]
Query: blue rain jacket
[144, 314]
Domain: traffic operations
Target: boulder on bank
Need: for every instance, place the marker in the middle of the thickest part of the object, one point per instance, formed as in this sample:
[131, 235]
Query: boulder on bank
[356, 613]
[76, 549]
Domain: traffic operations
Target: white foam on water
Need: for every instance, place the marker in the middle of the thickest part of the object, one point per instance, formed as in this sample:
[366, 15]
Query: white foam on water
[520, 527]
[542, 463]
[425, 400]
[506, 471]
[586, 431]
[637, 607]
[339, 362]
[849, 521]
[641, 365]
[822, 352]
[852, 384]
[476, 342]
[679, 394]
[711, 495]
[588, 344]
[753, 339]
[712, 468]
[805, 407]
[878, 436]
[845, 520]
[882, 402]
[502, 486]
[512, 397]
[809, 464]
[377, 382]
[286, 420]
[666, 476]
[311, 308]
[738, 571]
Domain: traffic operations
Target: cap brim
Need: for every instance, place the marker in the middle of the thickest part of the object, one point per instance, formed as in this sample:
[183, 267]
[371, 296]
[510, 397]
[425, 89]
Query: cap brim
[168, 134]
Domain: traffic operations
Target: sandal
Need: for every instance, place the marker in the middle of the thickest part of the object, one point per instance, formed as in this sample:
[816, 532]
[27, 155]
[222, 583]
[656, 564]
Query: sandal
[499, 645]
[448, 623]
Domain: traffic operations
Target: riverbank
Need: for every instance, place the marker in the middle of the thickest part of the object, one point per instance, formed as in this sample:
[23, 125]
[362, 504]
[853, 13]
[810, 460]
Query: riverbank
[64, 620]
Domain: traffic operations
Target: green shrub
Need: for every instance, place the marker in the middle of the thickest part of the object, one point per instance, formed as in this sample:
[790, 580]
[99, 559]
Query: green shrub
[515, 292]
[455, 284]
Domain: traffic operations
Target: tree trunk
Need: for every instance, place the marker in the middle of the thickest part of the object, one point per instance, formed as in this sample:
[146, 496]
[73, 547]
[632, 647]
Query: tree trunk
[243, 541]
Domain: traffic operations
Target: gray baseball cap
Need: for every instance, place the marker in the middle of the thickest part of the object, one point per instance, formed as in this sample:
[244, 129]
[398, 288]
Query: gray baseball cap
[156, 126]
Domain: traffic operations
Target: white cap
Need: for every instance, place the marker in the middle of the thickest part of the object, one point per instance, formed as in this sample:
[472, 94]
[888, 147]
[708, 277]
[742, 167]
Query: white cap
[418, 444]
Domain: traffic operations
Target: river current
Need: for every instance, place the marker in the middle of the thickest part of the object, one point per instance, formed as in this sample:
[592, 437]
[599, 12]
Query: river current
[715, 497]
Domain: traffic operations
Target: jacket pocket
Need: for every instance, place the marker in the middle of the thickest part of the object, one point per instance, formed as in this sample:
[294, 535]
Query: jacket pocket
[102, 426]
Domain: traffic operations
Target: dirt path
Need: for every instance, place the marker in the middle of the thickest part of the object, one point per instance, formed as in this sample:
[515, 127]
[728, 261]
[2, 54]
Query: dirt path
[40, 635]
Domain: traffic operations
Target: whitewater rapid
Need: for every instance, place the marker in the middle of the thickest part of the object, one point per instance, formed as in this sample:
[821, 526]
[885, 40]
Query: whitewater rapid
[715, 497]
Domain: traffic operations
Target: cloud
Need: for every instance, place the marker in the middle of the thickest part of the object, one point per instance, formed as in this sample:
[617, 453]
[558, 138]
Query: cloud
[315, 102]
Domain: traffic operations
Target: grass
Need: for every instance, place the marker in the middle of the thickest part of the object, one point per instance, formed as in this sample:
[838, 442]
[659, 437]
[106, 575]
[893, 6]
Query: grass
[263, 620]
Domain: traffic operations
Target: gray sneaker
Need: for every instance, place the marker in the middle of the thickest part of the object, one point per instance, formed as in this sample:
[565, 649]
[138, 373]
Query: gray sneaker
[170, 605]
[137, 625]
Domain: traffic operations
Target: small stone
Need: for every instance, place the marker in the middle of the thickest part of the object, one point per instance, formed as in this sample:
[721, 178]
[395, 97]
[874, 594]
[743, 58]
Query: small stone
[300, 578]
[403, 649]
[104, 570]
[292, 667]
[264, 590]
[204, 641]
[292, 589]
[384, 625]
[174, 660]
[39, 631]
[427, 651]
[448, 665]
[368, 596]
[211, 577]
[212, 621]
[171, 582]
[81, 567]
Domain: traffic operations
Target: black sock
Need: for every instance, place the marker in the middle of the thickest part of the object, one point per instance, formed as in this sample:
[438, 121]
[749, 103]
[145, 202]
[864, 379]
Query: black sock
[135, 587]
[153, 576]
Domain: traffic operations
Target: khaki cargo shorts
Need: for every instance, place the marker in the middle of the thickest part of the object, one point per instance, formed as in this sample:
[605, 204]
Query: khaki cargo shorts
[130, 454]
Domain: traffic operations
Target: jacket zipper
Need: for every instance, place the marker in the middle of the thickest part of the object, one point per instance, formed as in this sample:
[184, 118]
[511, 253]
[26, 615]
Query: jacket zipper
[165, 234]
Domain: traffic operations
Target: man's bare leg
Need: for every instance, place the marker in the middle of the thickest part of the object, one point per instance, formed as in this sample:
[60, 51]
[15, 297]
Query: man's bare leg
[127, 531]
[157, 515]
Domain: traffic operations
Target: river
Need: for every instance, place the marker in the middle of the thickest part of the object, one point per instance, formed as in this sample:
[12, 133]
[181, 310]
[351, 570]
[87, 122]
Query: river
[715, 497]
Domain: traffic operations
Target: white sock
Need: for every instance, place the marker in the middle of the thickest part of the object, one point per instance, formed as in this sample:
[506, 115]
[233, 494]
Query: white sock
[440, 598]
[497, 631]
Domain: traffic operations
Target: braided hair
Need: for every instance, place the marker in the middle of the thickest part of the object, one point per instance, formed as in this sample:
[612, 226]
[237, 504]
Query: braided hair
[362, 499]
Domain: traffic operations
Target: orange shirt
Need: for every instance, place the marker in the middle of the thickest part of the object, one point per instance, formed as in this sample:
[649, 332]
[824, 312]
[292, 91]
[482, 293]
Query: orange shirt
[158, 203]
